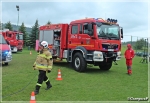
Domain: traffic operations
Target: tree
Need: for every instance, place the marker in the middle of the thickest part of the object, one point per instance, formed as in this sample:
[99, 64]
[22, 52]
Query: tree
[34, 34]
[23, 30]
[140, 44]
[48, 22]
[8, 26]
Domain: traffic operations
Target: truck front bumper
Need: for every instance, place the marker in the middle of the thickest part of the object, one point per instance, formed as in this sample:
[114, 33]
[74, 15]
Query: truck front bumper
[99, 56]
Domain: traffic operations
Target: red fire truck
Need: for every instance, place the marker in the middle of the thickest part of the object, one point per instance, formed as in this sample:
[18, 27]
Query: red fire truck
[14, 38]
[85, 41]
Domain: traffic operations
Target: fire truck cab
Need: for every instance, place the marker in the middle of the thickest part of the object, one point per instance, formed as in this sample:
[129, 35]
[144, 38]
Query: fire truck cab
[14, 38]
[86, 41]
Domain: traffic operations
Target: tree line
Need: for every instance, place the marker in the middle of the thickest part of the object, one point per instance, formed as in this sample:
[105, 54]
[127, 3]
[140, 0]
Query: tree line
[28, 38]
[140, 44]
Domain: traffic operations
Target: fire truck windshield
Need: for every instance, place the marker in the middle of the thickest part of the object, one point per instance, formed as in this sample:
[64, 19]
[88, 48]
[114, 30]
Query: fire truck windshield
[108, 31]
[19, 36]
[3, 41]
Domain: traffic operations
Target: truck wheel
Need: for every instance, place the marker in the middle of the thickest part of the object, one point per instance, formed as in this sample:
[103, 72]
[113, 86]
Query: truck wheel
[79, 63]
[105, 66]
[6, 63]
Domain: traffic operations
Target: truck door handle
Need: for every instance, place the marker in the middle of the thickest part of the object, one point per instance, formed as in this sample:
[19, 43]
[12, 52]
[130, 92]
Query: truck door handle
[81, 42]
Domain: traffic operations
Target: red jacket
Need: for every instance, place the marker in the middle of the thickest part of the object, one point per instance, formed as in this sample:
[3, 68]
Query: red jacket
[129, 54]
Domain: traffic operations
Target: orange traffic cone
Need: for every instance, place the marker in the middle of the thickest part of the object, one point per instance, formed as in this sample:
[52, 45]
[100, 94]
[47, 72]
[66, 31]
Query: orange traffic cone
[59, 75]
[30, 52]
[32, 99]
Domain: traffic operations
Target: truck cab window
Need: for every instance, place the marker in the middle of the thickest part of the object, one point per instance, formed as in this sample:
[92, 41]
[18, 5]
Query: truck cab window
[74, 29]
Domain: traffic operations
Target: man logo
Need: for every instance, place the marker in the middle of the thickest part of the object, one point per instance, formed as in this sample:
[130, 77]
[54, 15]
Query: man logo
[87, 41]
[110, 46]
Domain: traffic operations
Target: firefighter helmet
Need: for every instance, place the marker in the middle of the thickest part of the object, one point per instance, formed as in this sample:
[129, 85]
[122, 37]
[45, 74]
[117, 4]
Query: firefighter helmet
[44, 44]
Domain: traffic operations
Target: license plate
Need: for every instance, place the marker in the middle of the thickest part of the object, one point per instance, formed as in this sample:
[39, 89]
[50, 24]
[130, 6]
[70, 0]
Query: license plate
[110, 49]
[114, 54]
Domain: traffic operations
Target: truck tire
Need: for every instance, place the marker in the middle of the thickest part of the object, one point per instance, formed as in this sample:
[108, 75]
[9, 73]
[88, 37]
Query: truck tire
[105, 65]
[79, 63]
[6, 63]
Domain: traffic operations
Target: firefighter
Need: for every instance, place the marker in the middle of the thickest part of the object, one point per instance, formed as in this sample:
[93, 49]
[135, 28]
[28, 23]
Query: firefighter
[43, 63]
[129, 55]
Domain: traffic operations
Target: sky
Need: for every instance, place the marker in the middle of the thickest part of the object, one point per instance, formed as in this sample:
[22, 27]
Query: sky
[132, 16]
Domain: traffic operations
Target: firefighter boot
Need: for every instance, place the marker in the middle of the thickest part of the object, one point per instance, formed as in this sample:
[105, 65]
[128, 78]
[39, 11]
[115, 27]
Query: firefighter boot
[130, 72]
[36, 91]
[48, 85]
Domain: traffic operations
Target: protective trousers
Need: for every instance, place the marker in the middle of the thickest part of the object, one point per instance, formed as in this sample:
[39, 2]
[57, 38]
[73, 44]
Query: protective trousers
[129, 64]
[42, 77]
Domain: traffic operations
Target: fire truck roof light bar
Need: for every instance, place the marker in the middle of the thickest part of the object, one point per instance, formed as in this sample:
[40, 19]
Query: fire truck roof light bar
[111, 20]
[108, 20]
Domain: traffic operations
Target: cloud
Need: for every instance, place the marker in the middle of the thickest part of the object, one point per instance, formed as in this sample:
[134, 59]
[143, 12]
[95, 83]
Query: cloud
[132, 16]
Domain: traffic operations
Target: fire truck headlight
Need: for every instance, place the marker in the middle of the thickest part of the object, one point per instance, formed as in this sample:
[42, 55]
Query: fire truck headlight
[97, 56]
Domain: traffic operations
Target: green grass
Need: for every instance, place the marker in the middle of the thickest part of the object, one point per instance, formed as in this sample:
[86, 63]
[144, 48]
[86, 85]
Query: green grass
[93, 85]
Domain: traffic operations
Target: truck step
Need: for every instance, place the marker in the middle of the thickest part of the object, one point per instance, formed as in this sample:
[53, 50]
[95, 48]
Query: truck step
[89, 60]
[89, 54]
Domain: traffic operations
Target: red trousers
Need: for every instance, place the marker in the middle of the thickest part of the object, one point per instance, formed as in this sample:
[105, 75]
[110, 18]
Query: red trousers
[128, 62]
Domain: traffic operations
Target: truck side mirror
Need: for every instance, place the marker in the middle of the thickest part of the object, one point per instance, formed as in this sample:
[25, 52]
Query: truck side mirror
[89, 27]
[121, 32]
[90, 30]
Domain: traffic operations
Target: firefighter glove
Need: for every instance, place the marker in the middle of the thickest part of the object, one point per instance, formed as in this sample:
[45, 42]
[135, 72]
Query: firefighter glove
[48, 71]
[33, 67]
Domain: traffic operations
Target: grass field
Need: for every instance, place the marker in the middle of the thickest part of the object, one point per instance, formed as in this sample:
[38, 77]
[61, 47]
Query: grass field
[19, 79]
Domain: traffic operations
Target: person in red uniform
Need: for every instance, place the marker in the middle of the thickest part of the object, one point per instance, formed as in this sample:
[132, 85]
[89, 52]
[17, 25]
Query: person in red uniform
[129, 55]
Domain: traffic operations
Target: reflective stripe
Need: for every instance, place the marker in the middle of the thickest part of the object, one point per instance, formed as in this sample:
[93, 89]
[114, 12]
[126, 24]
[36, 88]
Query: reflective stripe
[49, 67]
[39, 84]
[41, 65]
[42, 55]
[32, 98]
[49, 57]
[47, 80]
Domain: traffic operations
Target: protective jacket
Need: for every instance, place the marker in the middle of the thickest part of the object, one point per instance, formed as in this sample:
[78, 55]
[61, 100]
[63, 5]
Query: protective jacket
[129, 54]
[43, 61]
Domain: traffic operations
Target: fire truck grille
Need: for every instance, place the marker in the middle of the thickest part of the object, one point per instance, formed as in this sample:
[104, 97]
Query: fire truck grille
[109, 46]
